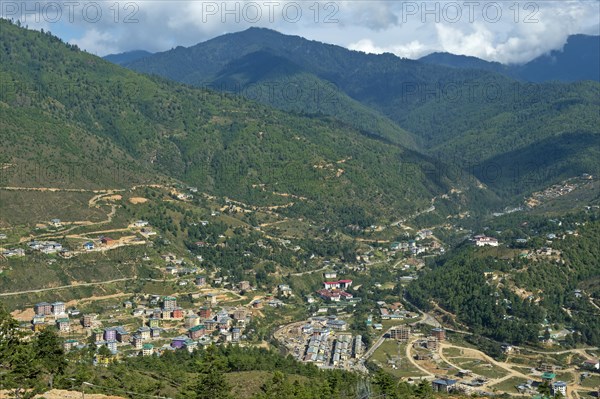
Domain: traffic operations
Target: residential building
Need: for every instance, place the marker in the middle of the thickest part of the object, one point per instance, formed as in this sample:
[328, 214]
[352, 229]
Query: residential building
[482, 241]
[212, 299]
[122, 335]
[179, 342]
[177, 313]
[204, 313]
[137, 342]
[155, 332]
[169, 303]
[432, 343]
[42, 308]
[240, 314]
[401, 333]
[197, 332]
[559, 387]
[284, 290]
[548, 376]
[592, 364]
[63, 324]
[69, 344]
[58, 308]
[190, 345]
[144, 332]
[339, 325]
[191, 320]
[153, 322]
[147, 350]
[110, 334]
[244, 285]
[98, 335]
[38, 325]
[439, 334]
[200, 281]
[107, 241]
[330, 275]
[111, 345]
[443, 385]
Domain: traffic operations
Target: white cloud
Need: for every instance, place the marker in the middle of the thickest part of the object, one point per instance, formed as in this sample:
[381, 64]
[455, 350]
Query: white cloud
[405, 28]
[412, 50]
[97, 42]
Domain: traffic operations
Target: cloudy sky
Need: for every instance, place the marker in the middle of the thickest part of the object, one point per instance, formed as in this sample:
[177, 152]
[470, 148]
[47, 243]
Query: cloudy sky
[505, 31]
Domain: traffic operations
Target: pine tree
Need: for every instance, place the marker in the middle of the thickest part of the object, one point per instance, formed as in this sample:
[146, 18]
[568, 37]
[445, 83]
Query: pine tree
[48, 350]
[212, 383]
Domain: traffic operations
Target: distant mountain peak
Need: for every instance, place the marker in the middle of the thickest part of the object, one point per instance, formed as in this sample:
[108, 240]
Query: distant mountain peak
[578, 59]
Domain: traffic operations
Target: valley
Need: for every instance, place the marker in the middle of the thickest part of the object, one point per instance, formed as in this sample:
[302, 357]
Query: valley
[164, 239]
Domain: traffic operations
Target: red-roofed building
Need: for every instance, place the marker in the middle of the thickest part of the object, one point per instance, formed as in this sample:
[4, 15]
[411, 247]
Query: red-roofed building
[343, 284]
[107, 241]
[334, 295]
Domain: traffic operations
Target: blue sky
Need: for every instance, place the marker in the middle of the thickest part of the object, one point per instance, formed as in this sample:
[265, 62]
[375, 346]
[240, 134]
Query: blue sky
[504, 31]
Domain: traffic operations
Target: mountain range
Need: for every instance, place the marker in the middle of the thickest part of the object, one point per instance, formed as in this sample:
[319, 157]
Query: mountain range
[477, 120]
[579, 59]
[364, 140]
[105, 126]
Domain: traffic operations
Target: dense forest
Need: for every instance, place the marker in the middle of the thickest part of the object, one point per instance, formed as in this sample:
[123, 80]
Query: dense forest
[512, 135]
[458, 283]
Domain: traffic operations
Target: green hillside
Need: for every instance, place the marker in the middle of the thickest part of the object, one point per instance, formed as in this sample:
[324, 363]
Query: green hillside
[103, 115]
[472, 119]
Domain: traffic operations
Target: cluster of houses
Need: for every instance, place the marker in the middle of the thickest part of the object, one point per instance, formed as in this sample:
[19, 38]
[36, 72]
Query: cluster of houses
[394, 311]
[430, 343]
[334, 291]
[327, 345]
[12, 252]
[558, 190]
[199, 327]
[47, 313]
[417, 248]
[531, 386]
[46, 247]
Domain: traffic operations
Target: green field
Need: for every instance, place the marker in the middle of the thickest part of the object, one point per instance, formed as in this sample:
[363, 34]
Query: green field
[591, 382]
[479, 367]
[509, 385]
[452, 352]
[43, 206]
[391, 349]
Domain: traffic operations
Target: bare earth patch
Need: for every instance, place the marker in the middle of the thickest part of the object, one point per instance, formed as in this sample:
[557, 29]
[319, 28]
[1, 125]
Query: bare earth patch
[23, 315]
[138, 200]
[115, 197]
[62, 394]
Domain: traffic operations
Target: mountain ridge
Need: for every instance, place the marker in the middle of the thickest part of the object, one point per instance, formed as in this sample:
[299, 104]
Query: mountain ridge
[578, 59]
[449, 112]
[223, 144]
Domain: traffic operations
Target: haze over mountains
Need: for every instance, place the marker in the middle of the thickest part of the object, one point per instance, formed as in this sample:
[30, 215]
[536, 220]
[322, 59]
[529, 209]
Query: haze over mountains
[474, 119]
[579, 59]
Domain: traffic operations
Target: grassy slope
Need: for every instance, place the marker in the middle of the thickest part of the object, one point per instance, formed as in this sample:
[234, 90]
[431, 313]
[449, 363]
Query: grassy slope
[470, 118]
[225, 145]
